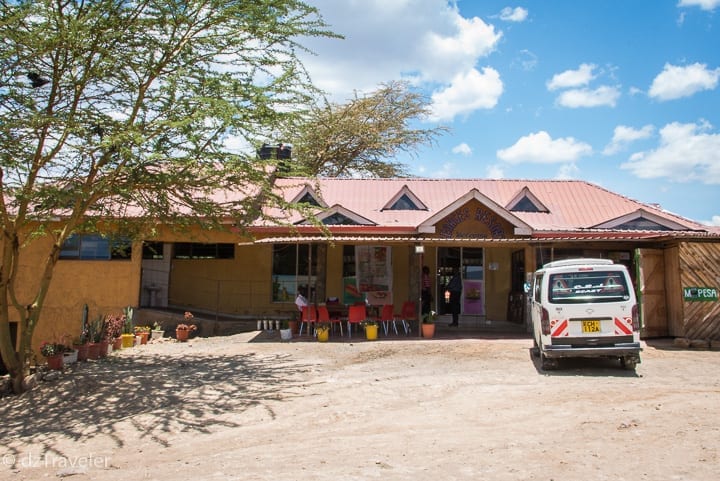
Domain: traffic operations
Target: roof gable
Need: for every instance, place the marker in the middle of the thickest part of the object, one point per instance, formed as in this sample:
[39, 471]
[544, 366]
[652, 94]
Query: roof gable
[641, 219]
[520, 227]
[308, 196]
[339, 215]
[405, 199]
[526, 201]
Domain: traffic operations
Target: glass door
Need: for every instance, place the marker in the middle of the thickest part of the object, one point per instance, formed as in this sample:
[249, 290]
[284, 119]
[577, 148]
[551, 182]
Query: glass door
[471, 264]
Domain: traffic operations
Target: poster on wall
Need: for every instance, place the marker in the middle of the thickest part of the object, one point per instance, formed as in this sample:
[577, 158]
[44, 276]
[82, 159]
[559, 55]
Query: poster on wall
[473, 304]
[351, 293]
[373, 270]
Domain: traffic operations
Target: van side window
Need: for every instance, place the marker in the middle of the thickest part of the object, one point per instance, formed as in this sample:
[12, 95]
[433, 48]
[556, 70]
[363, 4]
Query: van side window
[591, 286]
[538, 285]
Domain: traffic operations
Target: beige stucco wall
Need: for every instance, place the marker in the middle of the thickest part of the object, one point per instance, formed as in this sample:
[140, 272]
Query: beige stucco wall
[105, 286]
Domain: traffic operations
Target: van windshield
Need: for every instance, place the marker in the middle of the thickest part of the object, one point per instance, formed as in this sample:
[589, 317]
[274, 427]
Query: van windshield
[591, 286]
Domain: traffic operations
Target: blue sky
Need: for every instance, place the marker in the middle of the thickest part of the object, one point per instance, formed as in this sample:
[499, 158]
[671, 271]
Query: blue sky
[621, 93]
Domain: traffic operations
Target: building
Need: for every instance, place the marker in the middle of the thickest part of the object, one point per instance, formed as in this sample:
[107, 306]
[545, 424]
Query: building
[371, 238]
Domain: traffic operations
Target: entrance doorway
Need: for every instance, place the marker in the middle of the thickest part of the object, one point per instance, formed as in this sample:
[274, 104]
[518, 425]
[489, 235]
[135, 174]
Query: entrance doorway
[470, 262]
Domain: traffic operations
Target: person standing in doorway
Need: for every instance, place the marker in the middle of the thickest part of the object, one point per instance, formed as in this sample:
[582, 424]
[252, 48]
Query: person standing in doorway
[455, 288]
[426, 293]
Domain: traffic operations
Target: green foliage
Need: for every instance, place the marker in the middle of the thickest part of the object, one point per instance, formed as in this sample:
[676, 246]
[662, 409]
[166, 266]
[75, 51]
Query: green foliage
[128, 327]
[127, 110]
[361, 136]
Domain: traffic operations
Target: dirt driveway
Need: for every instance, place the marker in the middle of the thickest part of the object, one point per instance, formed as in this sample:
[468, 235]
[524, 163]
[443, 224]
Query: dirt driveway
[242, 408]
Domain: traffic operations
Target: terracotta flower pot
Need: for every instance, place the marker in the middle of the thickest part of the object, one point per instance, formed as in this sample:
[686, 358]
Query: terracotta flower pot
[55, 362]
[94, 350]
[117, 343]
[82, 350]
[428, 330]
[104, 348]
[182, 334]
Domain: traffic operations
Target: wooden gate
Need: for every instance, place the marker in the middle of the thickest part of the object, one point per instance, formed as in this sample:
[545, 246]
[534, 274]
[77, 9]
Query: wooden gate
[651, 292]
[700, 267]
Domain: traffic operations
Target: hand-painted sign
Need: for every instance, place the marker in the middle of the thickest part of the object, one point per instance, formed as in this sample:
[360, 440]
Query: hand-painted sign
[700, 294]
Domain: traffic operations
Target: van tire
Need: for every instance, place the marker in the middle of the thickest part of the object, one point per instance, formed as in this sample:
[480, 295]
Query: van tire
[546, 363]
[535, 350]
[629, 363]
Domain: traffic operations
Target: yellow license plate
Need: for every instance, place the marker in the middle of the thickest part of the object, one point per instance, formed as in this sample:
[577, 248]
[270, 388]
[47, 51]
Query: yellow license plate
[590, 326]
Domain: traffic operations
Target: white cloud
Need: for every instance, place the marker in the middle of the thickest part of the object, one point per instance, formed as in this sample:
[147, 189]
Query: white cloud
[572, 78]
[708, 5]
[624, 135]
[715, 221]
[687, 152]
[495, 172]
[542, 149]
[517, 14]
[427, 42]
[467, 92]
[599, 97]
[675, 82]
[462, 149]
[567, 172]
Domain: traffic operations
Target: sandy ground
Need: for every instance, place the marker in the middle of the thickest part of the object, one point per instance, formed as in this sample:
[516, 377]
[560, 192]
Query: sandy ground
[248, 407]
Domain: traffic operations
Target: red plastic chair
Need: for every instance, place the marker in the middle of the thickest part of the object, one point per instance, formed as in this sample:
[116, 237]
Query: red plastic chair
[324, 316]
[308, 317]
[356, 315]
[408, 314]
[387, 315]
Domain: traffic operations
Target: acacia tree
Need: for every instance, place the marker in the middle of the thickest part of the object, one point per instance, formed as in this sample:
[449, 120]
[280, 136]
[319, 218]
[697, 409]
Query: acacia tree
[107, 106]
[362, 136]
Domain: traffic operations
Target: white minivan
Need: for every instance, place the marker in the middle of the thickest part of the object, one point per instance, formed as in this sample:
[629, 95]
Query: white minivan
[584, 308]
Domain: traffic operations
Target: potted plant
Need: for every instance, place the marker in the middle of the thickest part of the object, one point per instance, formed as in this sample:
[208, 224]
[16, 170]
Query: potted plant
[112, 329]
[322, 330]
[128, 335]
[53, 353]
[95, 336]
[157, 331]
[182, 331]
[428, 324]
[143, 332]
[70, 355]
[285, 331]
[371, 330]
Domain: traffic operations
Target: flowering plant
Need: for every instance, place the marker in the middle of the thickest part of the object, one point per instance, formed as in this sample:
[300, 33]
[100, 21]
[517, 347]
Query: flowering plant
[48, 349]
[188, 316]
[113, 326]
[141, 329]
[186, 327]
[429, 318]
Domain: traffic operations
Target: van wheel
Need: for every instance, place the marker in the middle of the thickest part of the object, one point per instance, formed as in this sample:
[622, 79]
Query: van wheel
[546, 363]
[629, 363]
[535, 350]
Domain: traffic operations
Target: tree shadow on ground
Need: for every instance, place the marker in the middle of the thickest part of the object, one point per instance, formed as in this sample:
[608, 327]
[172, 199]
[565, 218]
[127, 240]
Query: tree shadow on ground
[158, 395]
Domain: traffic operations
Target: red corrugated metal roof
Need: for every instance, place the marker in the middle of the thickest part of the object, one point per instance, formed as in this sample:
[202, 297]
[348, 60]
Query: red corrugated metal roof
[572, 204]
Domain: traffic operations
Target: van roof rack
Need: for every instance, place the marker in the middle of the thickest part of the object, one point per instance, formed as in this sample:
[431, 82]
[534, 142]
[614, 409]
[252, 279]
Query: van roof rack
[578, 262]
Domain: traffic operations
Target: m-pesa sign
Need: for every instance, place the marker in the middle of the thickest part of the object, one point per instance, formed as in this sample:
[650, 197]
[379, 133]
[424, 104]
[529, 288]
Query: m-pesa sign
[700, 294]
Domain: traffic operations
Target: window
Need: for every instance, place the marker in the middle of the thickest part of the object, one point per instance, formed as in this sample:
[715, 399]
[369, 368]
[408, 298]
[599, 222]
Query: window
[152, 250]
[310, 199]
[96, 247]
[525, 205]
[348, 261]
[195, 250]
[404, 203]
[291, 271]
[338, 219]
[590, 286]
